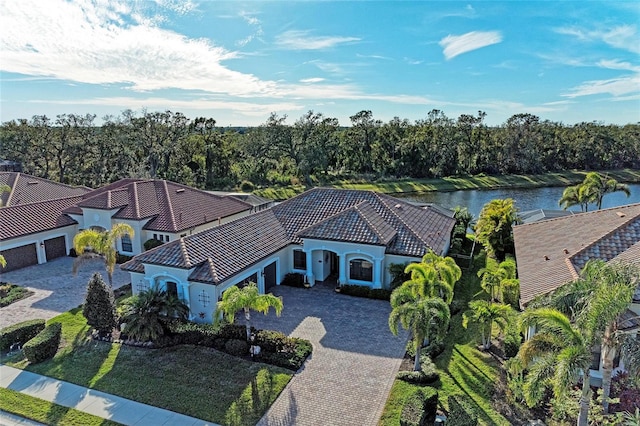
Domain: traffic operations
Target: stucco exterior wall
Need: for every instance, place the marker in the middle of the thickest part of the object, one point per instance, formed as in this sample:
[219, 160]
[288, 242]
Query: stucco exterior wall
[38, 239]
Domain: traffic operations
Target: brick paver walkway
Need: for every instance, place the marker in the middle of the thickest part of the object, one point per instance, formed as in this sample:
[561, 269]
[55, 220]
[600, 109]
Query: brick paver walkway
[56, 289]
[355, 358]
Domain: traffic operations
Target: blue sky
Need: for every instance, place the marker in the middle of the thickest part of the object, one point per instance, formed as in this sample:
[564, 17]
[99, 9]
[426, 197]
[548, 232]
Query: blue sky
[237, 62]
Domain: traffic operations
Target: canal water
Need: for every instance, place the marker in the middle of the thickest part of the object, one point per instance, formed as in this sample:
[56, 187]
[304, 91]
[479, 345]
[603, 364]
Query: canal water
[525, 199]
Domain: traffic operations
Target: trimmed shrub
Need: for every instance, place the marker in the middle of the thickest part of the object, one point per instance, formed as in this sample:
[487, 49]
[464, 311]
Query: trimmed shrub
[236, 347]
[292, 356]
[152, 243]
[428, 373]
[420, 408]
[461, 412]
[20, 333]
[364, 291]
[10, 293]
[100, 306]
[379, 293]
[44, 345]
[234, 331]
[271, 341]
[432, 350]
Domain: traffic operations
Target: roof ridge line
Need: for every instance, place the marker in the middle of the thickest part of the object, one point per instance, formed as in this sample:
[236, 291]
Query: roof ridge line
[185, 253]
[371, 225]
[169, 204]
[625, 224]
[572, 268]
[13, 189]
[406, 225]
[212, 270]
[136, 203]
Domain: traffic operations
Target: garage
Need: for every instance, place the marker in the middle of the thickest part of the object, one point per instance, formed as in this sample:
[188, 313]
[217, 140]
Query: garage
[55, 248]
[20, 257]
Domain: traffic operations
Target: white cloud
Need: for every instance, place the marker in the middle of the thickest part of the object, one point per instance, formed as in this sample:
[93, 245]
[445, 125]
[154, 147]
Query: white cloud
[312, 80]
[615, 86]
[621, 37]
[301, 40]
[456, 45]
[615, 64]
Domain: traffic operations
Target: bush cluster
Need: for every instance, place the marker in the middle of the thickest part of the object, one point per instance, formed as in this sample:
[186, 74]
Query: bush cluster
[122, 258]
[44, 345]
[10, 293]
[276, 348]
[428, 373]
[20, 333]
[432, 350]
[420, 408]
[293, 279]
[152, 243]
[461, 411]
[364, 291]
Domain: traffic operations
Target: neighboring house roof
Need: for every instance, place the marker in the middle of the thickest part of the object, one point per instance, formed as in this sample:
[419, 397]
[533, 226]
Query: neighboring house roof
[169, 206]
[542, 214]
[341, 215]
[25, 219]
[27, 189]
[551, 253]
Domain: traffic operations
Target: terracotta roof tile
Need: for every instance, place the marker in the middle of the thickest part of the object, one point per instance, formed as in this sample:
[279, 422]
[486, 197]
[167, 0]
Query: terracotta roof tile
[347, 215]
[25, 219]
[26, 189]
[551, 252]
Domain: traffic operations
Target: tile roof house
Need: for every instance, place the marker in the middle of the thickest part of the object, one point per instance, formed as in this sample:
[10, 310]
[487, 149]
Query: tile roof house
[351, 235]
[42, 217]
[552, 252]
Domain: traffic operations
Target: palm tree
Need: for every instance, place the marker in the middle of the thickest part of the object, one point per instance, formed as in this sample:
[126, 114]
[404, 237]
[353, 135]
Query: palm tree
[425, 317]
[434, 276]
[596, 301]
[499, 279]
[598, 186]
[577, 195]
[494, 229]
[486, 314]
[3, 261]
[149, 311]
[91, 244]
[246, 299]
[557, 354]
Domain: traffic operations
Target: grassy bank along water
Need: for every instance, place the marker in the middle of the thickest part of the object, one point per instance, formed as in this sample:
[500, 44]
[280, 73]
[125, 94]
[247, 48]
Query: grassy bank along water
[453, 183]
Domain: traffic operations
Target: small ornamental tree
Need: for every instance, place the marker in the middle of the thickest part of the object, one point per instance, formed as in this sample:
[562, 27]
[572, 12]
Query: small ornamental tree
[100, 307]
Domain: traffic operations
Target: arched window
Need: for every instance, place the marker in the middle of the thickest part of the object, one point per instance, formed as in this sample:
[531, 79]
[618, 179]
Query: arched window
[126, 243]
[172, 288]
[361, 270]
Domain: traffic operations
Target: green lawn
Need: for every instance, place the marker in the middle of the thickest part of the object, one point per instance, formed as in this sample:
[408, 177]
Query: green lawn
[395, 186]
[47, 412]
[464, 370]
[192, 380]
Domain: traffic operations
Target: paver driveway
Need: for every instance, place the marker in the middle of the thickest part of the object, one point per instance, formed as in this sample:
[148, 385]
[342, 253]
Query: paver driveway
[56, 289]
[355, 358]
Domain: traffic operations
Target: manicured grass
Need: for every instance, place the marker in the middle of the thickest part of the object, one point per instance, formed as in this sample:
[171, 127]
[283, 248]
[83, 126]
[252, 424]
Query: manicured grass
[196, 381]
[10, 293]
[464, 370]
[47, 412]
[395, 186]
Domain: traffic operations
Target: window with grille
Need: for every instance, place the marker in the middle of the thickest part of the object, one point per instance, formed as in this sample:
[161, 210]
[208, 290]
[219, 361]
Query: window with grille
[126, 243]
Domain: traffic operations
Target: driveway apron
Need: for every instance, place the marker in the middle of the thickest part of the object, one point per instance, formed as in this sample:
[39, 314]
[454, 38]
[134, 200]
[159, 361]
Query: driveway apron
[56, 289]
[355, 358]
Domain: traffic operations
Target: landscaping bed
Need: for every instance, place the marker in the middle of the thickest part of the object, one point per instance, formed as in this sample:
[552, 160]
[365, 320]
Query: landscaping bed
[204, 382]
[10, 293]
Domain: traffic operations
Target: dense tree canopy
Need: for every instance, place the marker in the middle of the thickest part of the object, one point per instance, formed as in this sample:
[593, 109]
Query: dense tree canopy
[196, 152]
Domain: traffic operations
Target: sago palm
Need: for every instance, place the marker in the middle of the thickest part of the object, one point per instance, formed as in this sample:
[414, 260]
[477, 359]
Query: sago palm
[91, 244]
[558, 354]
[246, 299]
[425, 317]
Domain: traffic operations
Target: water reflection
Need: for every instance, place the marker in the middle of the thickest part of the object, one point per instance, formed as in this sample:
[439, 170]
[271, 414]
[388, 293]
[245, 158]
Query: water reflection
[526, 199]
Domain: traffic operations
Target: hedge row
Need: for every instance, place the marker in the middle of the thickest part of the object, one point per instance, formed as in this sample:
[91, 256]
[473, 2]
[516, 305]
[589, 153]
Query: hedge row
[44, 345]
[275, 347]
[461, 411]
[420, 408]
[10, 293]
[293, 279]
[20, 333]
[364, 291]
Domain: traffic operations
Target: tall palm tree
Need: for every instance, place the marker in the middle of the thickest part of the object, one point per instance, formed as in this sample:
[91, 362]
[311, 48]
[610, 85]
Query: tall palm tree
[598, 186]
[425, 317]
[246, 299]
[434, 276]
[557, 354]
[91, 244]
[577, 195]
[596, 301]
[486, 314]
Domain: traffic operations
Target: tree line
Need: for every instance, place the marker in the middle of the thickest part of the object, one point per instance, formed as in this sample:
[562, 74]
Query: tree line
[74, 149]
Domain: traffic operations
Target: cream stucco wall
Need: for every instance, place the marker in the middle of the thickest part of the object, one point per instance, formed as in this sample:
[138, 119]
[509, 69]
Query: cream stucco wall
[68, 232]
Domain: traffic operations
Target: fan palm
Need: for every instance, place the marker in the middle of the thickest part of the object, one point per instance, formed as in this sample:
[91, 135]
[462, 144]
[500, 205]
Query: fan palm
[246, 299]
[424, 317]
[486, 314]
[91, 244]
[557, 354]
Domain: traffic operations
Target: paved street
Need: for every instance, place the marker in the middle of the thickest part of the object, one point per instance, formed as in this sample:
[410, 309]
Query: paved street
[355, 358]
[56, 289]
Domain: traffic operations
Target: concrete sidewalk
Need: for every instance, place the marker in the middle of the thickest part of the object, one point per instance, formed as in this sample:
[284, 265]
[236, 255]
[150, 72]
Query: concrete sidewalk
[91, 401]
